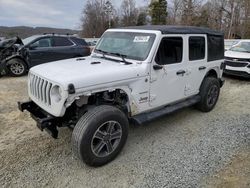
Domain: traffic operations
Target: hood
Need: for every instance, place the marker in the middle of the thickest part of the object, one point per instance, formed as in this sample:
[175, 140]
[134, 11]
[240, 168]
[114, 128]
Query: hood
[10, 42]
[88, 71]
[233, 54]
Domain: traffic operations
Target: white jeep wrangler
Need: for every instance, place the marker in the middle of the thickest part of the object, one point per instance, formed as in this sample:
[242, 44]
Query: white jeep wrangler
[135, 74]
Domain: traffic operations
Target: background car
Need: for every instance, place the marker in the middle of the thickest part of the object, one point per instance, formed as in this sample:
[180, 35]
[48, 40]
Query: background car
[44, 48]
[8, 49]
[92, 42]
[229, 43]
[237, 59]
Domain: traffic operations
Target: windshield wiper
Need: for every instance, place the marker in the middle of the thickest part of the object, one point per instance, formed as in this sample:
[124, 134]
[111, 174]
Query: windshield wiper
[116, 54]
[121, 56]
[102, 52]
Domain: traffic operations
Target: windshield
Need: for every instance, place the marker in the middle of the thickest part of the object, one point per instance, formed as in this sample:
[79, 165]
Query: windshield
[29, 39]
[230, 43]
[241, 47]
[128, 44]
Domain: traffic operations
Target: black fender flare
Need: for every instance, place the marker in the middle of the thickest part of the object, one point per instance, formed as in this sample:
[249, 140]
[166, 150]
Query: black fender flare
[213, 73]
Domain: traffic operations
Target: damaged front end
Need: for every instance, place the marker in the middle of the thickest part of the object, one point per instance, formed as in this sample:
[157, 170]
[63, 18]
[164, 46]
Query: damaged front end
[9, 49]
[44, 120]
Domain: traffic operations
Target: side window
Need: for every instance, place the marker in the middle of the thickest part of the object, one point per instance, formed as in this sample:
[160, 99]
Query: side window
[170, 51]
[42, 43]
[196, 48]
[79, 41]
[215, 47]
[61, 41]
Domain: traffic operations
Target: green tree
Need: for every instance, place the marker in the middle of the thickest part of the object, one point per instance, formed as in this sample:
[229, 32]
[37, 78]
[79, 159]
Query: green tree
[158, 12]
[142, 18]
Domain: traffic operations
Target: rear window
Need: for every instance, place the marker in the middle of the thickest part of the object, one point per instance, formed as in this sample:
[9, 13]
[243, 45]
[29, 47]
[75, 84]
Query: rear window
[61, 41]
[79, 41]
[215, 47]
[196, 48]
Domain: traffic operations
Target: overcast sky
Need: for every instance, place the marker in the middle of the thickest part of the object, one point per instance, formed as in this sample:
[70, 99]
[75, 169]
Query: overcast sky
[49, 13]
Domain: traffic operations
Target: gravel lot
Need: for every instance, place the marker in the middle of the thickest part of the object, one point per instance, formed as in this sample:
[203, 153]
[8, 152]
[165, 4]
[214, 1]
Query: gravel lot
[186, 149]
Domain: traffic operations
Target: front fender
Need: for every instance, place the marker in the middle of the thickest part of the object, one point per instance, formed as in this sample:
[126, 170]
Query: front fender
[12, 57]
[131, 106]
[5, 63]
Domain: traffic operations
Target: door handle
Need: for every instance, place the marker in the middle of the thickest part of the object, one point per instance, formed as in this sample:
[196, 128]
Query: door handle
[157, 67]
[181, 72]
[202, 68]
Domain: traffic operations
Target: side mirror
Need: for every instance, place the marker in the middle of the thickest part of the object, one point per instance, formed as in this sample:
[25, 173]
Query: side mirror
[32, 47]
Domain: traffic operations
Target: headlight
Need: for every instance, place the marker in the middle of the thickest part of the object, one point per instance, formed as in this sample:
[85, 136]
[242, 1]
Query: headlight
[56, 93]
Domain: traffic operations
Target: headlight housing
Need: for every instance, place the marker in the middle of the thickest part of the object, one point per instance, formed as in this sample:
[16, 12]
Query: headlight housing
[56, 93]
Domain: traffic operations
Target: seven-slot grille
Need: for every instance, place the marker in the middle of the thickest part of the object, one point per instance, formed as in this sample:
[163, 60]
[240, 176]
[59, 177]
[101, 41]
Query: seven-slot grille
[40, 89]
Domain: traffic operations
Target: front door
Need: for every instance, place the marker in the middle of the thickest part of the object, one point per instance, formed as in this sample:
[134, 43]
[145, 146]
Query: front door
[40, 51]
[168, 72]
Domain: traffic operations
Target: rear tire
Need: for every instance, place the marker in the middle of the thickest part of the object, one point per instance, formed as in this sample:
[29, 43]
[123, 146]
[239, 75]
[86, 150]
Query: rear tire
[209, 92]
[17, 67]
[100, 135]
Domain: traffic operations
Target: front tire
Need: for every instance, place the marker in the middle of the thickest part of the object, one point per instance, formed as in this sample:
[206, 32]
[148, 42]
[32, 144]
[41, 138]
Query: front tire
[100, 135]
[209, 92]
[17, 67]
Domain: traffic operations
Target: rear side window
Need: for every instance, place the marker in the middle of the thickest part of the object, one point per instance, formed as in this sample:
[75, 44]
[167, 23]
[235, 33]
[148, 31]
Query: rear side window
[61, 41]
[196, 48]
[170, 51]
[215, 47]
[78, 41]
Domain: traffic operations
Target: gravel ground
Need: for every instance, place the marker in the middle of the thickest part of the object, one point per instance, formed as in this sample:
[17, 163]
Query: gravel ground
[186, 149]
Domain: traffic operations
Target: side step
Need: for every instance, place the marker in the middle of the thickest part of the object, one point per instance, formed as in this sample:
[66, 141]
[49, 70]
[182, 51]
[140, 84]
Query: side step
[149, 116]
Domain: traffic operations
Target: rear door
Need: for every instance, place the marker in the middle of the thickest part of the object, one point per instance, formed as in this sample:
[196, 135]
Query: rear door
[63, 48]
[196, 63]
[168, 72]
[82, 47]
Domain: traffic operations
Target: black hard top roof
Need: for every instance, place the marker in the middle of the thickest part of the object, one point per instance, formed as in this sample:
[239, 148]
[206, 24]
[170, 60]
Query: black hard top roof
[170, 29]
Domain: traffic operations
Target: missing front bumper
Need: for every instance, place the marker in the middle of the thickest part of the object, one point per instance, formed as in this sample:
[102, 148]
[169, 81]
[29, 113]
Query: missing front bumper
[44, 120]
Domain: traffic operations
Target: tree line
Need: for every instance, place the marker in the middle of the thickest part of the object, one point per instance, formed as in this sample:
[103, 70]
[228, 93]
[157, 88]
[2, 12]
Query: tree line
[229, 16]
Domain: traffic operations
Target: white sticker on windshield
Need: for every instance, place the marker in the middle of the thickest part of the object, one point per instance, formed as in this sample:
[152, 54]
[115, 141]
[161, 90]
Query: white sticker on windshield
[141, 38]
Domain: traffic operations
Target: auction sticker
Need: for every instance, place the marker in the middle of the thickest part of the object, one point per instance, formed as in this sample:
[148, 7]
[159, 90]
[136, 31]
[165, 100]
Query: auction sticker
[141, 38]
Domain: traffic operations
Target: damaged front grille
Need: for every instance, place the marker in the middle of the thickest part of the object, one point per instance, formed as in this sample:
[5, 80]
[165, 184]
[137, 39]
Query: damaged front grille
[40, 89]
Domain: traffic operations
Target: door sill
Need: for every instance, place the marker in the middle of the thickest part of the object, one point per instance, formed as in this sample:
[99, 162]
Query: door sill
[149, 116]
